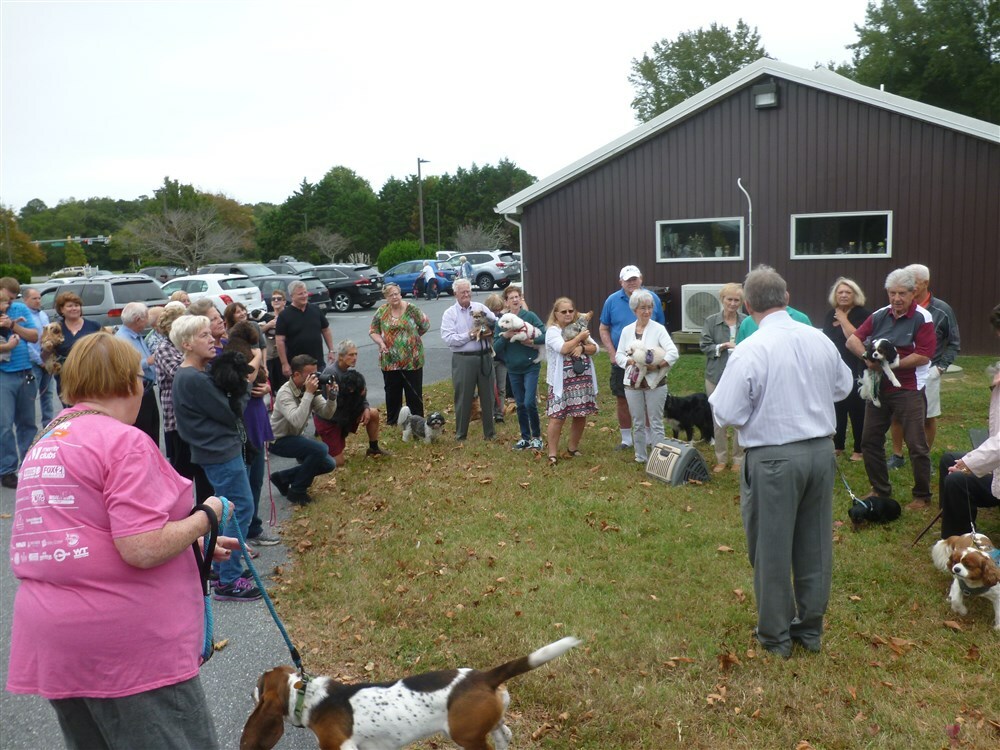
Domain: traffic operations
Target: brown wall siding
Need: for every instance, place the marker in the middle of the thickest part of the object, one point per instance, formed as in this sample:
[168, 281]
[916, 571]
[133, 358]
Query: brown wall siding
[816, 153]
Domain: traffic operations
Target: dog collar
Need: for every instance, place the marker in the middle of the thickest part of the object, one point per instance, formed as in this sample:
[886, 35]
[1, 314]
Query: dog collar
[300, 699]
[969, 591]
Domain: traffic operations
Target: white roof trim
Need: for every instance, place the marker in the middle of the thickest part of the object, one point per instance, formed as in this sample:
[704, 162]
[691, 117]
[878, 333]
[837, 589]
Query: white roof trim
[820, 78]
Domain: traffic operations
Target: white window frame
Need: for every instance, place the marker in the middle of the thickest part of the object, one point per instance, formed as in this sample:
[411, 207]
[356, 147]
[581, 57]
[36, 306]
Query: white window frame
[660, 225]
[858, 254]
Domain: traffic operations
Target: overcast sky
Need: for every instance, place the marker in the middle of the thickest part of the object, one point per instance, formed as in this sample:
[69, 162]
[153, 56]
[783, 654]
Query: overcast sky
[249, 97]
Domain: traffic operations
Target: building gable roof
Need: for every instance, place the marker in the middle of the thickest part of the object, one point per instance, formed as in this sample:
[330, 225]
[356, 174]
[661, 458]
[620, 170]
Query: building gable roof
[820, 78]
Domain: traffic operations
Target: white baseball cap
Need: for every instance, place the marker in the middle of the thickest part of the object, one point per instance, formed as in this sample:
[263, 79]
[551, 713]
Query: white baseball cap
[630, 272]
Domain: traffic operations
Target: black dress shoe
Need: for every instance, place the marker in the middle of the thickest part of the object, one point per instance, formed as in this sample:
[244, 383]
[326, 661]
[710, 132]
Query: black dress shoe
[376, 451]
[299, 498]
[9, 480]
[280, 483]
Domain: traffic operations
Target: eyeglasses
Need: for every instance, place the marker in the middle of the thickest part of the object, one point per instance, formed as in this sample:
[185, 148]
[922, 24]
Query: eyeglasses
[566, 312]
[277, 299]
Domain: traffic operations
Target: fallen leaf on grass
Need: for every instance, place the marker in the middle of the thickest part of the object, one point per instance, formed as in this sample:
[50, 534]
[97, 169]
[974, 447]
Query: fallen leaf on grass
[728, 660]
[486, 480]
[543, 730]
[723, 548]
[524, 485]
[900, 645]
[953, 625]
[645, 484]
[740, 596]
[973, 653]
[853, 692]
[803, 745]
[854, 598]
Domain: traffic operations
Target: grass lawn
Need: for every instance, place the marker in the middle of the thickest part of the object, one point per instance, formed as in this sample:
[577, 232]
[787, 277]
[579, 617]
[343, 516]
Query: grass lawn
[447, 556]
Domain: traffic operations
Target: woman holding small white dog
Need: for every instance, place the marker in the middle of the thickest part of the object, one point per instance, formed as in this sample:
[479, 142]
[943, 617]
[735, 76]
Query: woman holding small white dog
[518, 347]
[646, 352]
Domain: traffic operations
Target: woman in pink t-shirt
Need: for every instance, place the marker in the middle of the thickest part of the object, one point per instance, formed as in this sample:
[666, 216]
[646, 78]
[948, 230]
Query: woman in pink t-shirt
[108, 617]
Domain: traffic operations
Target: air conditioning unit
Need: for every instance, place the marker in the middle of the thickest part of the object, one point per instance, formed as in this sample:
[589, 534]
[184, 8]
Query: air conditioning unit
[698, 301]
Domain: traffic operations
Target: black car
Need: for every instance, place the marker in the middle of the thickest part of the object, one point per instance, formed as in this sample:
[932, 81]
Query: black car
[351, 284]
[297, 267]
[318, 293]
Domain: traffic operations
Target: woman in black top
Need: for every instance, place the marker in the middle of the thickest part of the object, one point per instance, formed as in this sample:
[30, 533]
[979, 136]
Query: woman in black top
[847, 312]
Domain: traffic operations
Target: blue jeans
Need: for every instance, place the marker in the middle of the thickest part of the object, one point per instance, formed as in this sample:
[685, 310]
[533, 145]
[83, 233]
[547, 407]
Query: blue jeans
[46, 387]
[17, 418]
[256, 475]
[229, 480]
[525, 388]
[315, 459]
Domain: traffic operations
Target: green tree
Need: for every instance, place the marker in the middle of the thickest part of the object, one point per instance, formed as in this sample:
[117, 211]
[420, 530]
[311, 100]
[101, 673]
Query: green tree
[16, 245]
[75, 255]
[398, 252]
[184, 238]
[939, 52]
[677, 70]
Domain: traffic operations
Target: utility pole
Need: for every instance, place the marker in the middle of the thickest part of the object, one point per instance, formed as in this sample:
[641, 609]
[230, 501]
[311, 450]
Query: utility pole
[420, 200]
[437, 206]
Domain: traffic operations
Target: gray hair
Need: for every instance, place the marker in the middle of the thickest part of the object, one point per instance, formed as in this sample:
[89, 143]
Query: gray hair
[901, 277]
[920, 272]
[461, 282]
[764, 289]
[296, 285]
[201, 306]
[639, 298]
[186, 327]
[345, 346]
[859, 296]
[133, 312]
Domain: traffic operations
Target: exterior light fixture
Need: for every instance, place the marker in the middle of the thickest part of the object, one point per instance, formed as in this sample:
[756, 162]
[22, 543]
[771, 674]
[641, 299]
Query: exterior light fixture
[765, 95]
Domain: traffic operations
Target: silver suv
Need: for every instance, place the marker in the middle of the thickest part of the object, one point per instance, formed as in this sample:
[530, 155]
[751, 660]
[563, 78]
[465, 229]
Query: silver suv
[490, 267]
[104, 297]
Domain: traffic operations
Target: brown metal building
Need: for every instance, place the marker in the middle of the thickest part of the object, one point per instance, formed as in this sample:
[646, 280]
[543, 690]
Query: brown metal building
[840, 180]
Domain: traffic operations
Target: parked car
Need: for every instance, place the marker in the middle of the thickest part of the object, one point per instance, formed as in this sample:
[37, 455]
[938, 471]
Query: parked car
[490, 267]
[350, 284]
[318, 293]
[297, 267]
[69, 272]
[237, 267]
[404, 274]
[104, 297]
[163, 274]
[223, 288]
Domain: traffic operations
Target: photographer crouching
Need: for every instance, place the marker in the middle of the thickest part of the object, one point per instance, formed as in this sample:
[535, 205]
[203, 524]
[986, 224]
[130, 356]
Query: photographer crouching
[303, 395]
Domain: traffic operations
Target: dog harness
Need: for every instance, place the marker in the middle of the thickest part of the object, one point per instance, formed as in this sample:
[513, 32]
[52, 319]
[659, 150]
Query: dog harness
[994, 555]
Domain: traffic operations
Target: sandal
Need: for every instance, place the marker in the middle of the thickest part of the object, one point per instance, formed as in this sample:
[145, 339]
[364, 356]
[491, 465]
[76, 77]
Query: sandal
[573, 453]
[553, 460]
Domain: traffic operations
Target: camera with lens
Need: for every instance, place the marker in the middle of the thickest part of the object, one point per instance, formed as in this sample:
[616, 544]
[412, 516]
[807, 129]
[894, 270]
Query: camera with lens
[326, 380]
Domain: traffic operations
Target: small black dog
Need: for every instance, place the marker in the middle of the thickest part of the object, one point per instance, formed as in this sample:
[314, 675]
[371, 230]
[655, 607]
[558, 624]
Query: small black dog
[229, 373]
[687, 412]
[350, 400]
[874, 509]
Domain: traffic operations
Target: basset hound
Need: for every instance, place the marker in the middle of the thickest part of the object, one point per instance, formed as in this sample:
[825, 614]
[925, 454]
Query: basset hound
[466, 705]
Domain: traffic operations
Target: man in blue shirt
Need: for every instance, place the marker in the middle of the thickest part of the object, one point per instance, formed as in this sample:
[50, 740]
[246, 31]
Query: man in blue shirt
[135, 315]
[17, 387]
[614, 317]
[32, 298]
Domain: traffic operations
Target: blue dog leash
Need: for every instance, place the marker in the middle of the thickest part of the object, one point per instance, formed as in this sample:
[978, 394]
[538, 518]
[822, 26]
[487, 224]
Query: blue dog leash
[203, 556]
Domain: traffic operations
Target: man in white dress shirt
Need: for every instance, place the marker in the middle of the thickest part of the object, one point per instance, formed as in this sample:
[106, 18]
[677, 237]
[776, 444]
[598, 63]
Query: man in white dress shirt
[471, 361]
[778, 390]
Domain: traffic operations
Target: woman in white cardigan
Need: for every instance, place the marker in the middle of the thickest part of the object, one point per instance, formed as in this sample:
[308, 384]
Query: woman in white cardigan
[571, 378]
[645, 399]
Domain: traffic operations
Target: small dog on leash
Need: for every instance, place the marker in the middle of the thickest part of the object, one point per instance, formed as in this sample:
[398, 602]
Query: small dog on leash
[870, 382]
[465, 705]
[642, 357]
[874, 509]
[428, 430]
[973, 562]
[52, 337]
[687, 412]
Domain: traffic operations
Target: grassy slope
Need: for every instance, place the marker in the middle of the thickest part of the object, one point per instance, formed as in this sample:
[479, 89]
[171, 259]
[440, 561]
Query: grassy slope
[442, 557]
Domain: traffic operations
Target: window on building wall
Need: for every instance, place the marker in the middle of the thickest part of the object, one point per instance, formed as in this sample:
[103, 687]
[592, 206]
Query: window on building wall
[699, 239]
[864, 234]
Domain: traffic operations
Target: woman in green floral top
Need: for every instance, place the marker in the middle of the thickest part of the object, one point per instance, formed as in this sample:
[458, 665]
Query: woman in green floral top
[396, 330]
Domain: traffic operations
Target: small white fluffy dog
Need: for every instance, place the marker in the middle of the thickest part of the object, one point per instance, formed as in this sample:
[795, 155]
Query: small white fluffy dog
[525, 331]
[642, 357]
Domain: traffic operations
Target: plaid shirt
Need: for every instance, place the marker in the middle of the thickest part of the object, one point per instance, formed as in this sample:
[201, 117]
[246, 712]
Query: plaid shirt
[167, 358]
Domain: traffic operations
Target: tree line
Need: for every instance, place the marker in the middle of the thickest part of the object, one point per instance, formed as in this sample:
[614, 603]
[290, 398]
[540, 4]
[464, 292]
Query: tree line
[338, 218]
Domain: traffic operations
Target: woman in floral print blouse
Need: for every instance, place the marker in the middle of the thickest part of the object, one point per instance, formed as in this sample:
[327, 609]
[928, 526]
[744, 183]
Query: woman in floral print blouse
[396, 330]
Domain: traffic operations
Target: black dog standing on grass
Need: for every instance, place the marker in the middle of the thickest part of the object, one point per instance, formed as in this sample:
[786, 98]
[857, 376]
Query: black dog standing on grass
[687, 412]
[874, 509]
